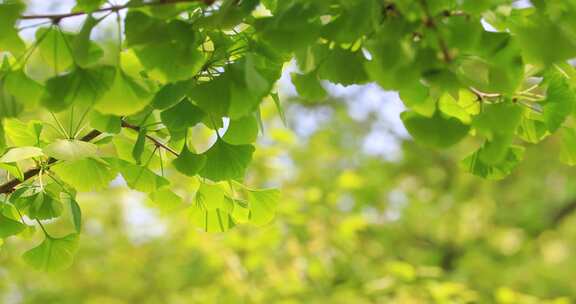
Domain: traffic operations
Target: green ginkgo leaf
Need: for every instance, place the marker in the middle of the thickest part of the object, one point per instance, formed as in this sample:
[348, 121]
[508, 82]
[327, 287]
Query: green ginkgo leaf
[125, 96]
[54, 47]
[69, 149]
[189, 163]
[205, 94]
[262, 205]
[344, 67]
[139, 146]
[20, 153]
[211, 210]
[166, 200]
[182, 116]
[475, 165]
[105, 123]
[9, 227]
[9, 39]
[308, 86]
[436, 131]
[138, 177]
[53, 254]
[560, 99]
[75, 211]
[170, 94]
[226, 162]
[86, 174]
[242, 131]
[87, 5]
[43, 206]
[13, 169]
[23, 134]
[80, 86]
[82, 47]
[23, 88]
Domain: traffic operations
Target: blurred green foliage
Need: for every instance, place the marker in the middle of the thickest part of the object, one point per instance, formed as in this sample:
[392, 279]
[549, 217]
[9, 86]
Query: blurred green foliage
[351, 228]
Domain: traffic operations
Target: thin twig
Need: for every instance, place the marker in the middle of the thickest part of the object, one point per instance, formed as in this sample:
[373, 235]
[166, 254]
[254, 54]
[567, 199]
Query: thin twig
[431, 23]
[156, 142]
[9, 186]
[57, 17]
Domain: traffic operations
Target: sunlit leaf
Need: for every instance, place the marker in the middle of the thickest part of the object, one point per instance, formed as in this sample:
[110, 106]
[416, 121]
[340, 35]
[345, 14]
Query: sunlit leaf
[87, 174]
[189, 163]
[20, 153]
[53, 254]
[226, 162]
[71, 150]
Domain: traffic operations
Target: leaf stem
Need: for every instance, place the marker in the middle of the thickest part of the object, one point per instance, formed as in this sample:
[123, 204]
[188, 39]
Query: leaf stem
[43, 229]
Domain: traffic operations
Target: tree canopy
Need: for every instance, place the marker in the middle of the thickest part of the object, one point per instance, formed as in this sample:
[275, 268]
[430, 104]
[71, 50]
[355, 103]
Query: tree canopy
[170, 96]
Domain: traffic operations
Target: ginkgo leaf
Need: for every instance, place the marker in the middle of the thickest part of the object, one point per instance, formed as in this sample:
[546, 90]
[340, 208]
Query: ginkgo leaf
[125, 96]
[75, 211]
[9, 227]
[242, 101]
[105, 123]
[242, 131]
[81, 45]
[183, 63]
[176, 37]
[240, 212]
[43, 206]
[344, 67]
[142, 29]
[474, 164]
[226, 162]
[248, 85]
[537, 33]
[23, 134]
[211, 195]
[81, 86]
[87, 174]
[308, 86]
[436, 131]
[87, 5]
[211, 210]
[498, 123]
[54, 47]
[13, 169]
[20, 153]
[213, 97]
[182, 116]
[560, 99]
[189, 163]
[69, 149]
[53, 254]
[23, 88]
[217, 220]
[170, 94]
[166, 200]
[262, 205]
[139, 146]
[139, 178]
[294, 29]
[9, 39]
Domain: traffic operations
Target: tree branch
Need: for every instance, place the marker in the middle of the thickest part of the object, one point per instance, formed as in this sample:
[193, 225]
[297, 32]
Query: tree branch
[57, 17]
[431, 23]
[9, 186]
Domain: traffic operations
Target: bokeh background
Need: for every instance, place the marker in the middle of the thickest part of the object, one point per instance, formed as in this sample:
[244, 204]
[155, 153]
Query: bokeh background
[366, 216]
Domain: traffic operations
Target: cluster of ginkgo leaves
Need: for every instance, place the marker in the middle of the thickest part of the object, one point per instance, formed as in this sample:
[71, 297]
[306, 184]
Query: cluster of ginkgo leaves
[180, 64]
